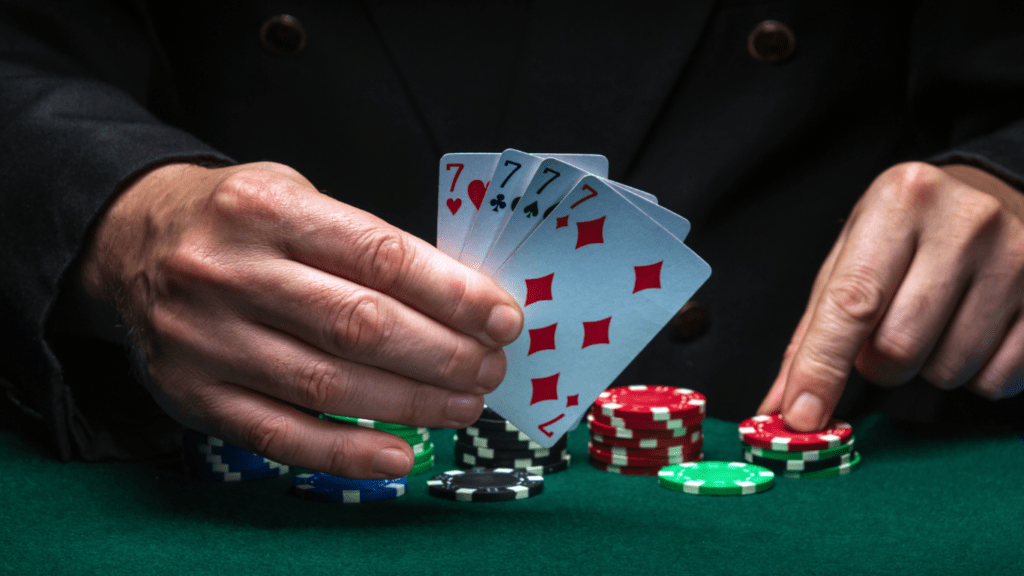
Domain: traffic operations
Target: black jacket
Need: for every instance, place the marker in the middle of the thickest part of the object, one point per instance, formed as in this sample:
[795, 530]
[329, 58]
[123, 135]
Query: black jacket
[764, 159]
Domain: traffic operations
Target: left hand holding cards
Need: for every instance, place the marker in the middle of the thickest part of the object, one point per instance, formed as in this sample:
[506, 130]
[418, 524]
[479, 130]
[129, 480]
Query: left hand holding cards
[250, 292]
[927, 277]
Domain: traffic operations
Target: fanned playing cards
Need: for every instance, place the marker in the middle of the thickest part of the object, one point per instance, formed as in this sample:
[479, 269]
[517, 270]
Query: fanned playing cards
[597, 267]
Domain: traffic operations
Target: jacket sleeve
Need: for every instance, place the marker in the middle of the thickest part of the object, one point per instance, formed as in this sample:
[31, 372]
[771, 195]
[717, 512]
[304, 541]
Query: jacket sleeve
[966, 84]
[75, 78]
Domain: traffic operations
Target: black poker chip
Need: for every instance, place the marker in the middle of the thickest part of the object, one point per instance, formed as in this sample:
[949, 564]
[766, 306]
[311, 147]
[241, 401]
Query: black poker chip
[508, 452]
[781, 466]
[491, 485]
[540, 470]
[474, 460]
[502, 444]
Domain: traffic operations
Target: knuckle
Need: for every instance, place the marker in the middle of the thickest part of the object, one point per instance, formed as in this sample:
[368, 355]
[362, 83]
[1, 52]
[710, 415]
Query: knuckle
[458, 291]
[358, 323]
[978, 216]
[249, 194]
[269, 435]
[944, 373]
[384, 257]
[856, 295]
[342, 454]
[912, 184]
[317, 382]
[454, 366]
[821, 364]
[899, 349]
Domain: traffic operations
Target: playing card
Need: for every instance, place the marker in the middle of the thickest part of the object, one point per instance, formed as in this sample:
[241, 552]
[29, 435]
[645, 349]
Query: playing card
[511, 176]
[596, 280]
[552, 180]
[463, 182]
[669, 220]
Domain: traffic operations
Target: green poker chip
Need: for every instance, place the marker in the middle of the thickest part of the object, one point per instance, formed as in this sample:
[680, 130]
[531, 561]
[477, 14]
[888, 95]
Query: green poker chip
[375, 424]
[424, 456]
[808, 456]
[714, 478]
[421, 468]
[840, 470]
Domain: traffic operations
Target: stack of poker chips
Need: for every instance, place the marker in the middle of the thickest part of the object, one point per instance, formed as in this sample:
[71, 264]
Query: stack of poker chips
[418, 438]
[486, 485]
[828, 453]
[493, 442]
[638, 430]
[321, 487]
[209, 458]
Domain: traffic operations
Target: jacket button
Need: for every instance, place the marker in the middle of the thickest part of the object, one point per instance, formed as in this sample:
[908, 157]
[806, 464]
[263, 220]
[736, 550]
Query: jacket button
[284, 35]
[690, 322]
[771, 41]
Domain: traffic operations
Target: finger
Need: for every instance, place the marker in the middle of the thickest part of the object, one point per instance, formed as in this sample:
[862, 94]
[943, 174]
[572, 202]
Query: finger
[356, 323]
[972, 335]
[286, 435]
[1002, 376]
[773, 400]
[919, 311]
[285, 368]
[360, 247]
[868, 268]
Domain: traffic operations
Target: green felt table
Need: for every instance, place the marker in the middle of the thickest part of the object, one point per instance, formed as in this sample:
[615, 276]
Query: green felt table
[919, 504]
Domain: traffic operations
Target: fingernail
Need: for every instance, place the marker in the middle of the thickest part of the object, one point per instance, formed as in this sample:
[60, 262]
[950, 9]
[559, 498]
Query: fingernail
[503, 324]
[463, 408]
[392, 462]
[492, 370]
[805, 413]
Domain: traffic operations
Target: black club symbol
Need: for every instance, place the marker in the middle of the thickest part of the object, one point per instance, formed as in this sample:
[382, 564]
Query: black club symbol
[499, 202]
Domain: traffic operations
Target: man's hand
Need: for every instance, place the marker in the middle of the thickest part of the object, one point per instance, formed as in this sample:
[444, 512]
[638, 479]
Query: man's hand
[250, 292]
[927, 277]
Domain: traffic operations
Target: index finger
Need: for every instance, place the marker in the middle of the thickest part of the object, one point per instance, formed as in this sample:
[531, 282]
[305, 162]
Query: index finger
[854, 297]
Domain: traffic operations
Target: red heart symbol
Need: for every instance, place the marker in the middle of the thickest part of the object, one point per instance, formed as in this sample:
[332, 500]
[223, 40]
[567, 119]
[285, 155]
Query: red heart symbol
[477, 189]
[454, 204]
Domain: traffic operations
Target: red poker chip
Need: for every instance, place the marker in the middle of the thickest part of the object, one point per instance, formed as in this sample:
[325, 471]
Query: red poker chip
[771, 433]
[629, 433]
[620, 460]
[694, 434]
[672, 424]
[663, 452]
[629, 470]
[650, 403]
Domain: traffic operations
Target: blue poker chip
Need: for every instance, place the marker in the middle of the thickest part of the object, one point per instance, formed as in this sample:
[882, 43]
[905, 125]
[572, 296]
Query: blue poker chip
[321, 487]
[210, 458]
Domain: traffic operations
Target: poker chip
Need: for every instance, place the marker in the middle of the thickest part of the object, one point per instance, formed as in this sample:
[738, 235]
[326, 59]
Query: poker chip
[471, 460]
[321, 487]
[495, 434]
[670, 424]
[422, 467]
[625, 470]
[493, 453]
[780, 466]
[692, 438]
[492, 485]
[841, 470]
[715, 478]
[772, 433]
[642, 403]
[808, 455]
[424, 456]
[498, 444]
[492, 443]
[603, 429]
[639, 460]
[375, 424]
[670, 451]
[209, 458]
